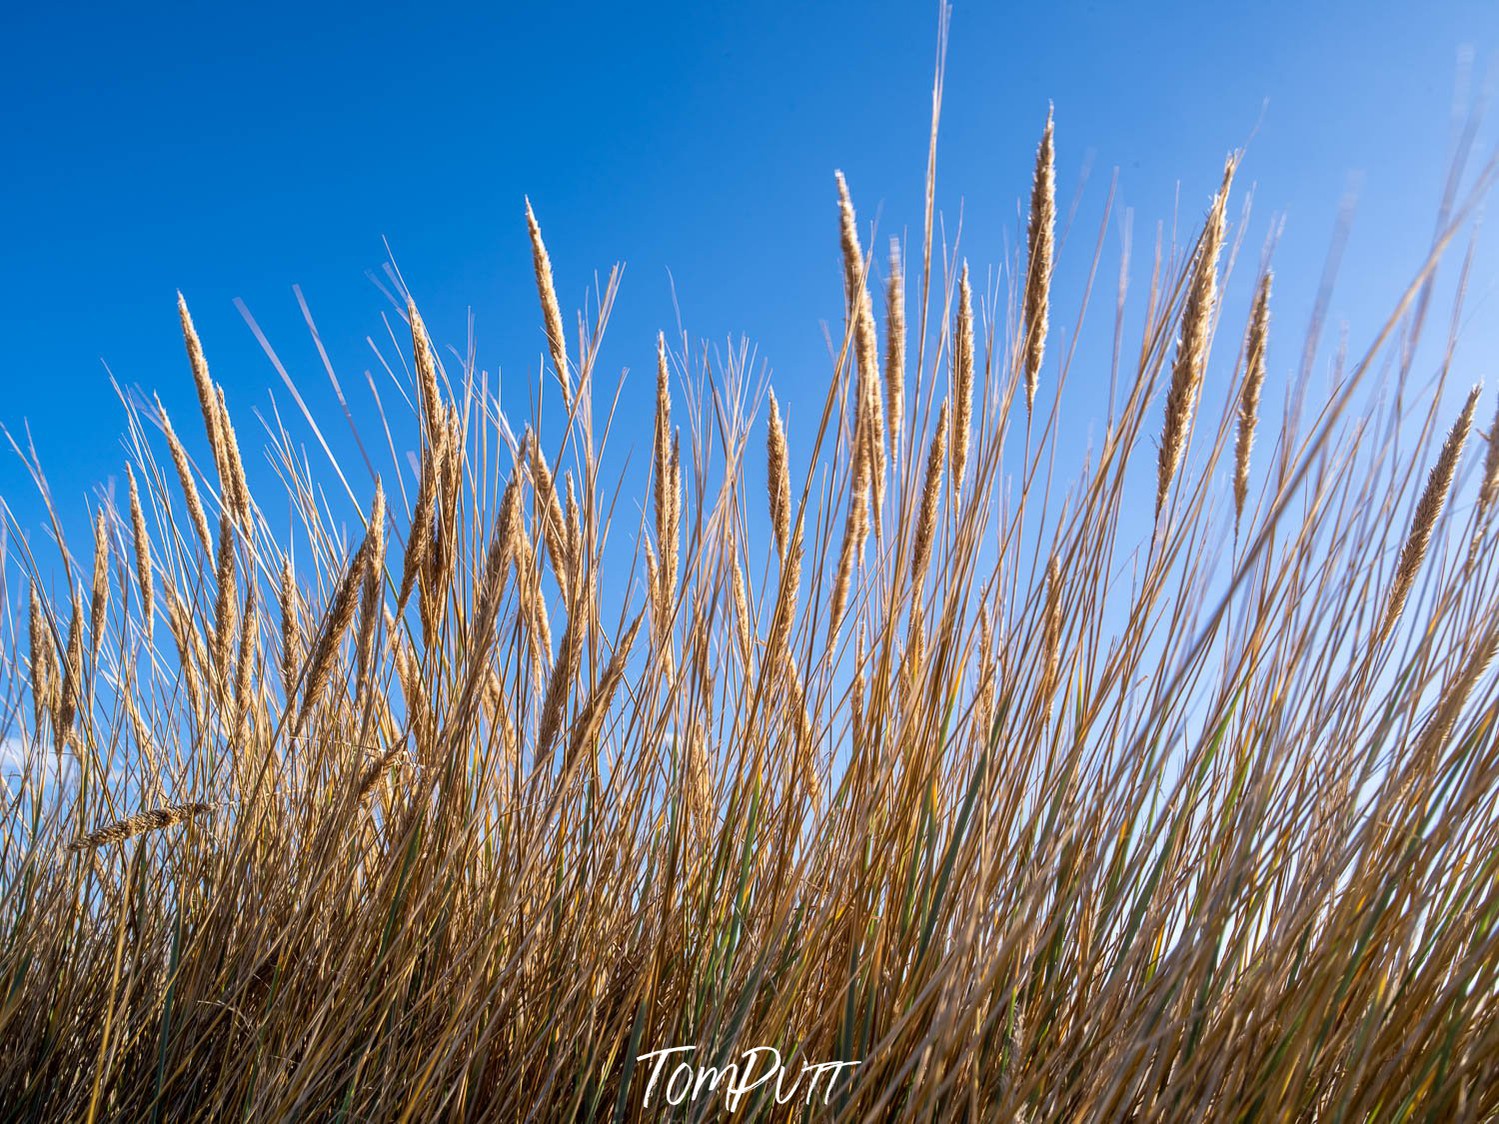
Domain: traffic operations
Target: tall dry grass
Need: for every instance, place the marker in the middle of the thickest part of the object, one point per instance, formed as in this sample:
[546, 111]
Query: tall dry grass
[1158, 783]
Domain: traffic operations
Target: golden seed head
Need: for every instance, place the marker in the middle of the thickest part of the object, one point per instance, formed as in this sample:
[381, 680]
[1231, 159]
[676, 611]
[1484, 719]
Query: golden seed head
[1040, 246]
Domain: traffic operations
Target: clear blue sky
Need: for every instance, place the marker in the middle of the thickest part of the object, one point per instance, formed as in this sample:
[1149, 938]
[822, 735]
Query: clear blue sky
[233, 151]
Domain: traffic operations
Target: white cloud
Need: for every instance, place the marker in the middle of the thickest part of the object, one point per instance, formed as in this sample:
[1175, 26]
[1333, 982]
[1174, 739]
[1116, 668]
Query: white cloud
[24, 762]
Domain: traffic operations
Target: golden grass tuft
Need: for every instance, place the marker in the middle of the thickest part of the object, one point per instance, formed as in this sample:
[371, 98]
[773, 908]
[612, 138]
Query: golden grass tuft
[1037, 804]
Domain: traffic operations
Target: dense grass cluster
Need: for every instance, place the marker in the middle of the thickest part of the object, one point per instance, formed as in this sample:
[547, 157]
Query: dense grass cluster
[1158, 783]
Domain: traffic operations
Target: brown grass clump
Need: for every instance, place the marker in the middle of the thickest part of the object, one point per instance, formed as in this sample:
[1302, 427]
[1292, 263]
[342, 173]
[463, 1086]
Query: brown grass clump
[1037, 805]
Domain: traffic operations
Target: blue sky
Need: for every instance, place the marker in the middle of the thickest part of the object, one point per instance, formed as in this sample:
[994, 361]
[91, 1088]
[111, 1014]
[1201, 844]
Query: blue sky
[234, 151]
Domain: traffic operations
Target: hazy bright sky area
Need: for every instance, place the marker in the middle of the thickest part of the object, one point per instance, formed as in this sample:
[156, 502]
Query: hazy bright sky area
[234, 151]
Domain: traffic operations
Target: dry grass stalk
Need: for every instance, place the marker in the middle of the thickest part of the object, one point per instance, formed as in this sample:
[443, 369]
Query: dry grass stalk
[429, 394]
[336, 624]
[667, 471]
[142, 556]
[291, 628]
[374, 584]
[962, 383]
[236, 490]
[419, 539]
[784, 614]
[743, 626]
[895, 348]
[192, 658]
[185, 479]
[931, 496]
[1249, 398]
[1192, 347]
[44, 675]
[1488, 490]
[856, 290]
[551, 311]
[559, 687]
[856, 518]
[554, 523]
[377, 771]
[778, 478]
[573, 519]
[244, 664]
[1051, 632]
[208, 400]
[1040, 247]
[224, 605]
[71, 691]
[99, 596]
[590, 720]
[869, 420]
[156, 819]
[1428, 510]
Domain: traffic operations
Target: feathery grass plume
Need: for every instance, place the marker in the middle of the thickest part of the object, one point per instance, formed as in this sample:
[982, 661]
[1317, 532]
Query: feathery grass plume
[784, 614]
[429, 393]
[962, 383]
[377, 771]
[1051, 632]
[374, 582]
[156, 819]
[573, 519]
[931, 495]
[804, 756]
[192, 658]
[590, 720]
[443, 556]
[856, 291]
[336, 622]
[1192, 346]
[1488, 490]
[291, 629]
[1040, 246]
[856, 693]
[71, 692]
[743, 627]
[869, 421]
[413, 688]
[856, 520]
[142, 555]
[1249, 398]
[185, 478]
[778, 478]
[553, 520]
[244, 664]
[698, 778]
[99, 598]
[423, 516]
[559, 687]
[551, 311]
[895, 347]
[44, 677]
[1428, 509]
[666, 467]
[207, 400]
[236, 490]
[224, 605]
